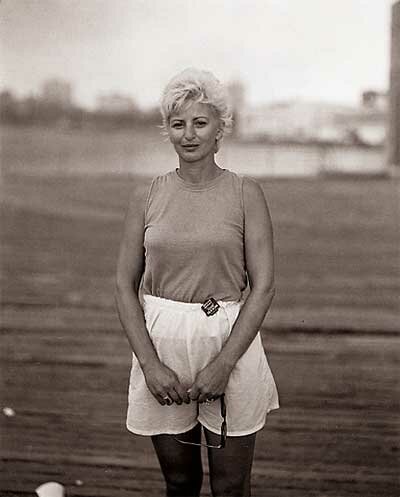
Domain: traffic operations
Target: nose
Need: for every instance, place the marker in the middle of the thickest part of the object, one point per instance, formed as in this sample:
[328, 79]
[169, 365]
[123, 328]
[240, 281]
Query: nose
[189, 132]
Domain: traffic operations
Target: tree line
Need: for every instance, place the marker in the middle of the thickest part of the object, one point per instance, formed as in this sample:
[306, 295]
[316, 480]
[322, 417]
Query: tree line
[38, 111]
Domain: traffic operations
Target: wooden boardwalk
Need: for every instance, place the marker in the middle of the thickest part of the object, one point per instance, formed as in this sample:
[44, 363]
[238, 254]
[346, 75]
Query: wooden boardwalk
[336, 434]
[65, 360]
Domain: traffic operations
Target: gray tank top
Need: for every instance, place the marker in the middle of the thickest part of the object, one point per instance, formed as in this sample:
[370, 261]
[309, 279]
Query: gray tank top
[194, 239]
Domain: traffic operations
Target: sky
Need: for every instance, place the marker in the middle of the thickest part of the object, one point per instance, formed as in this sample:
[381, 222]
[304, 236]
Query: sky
[321, 50]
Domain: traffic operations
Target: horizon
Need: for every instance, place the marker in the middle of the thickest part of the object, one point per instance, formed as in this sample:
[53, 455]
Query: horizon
[280, 51]
[151, 107]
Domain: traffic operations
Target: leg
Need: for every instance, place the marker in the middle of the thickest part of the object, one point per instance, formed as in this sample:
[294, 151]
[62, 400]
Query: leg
[180, 464]
[230, 468]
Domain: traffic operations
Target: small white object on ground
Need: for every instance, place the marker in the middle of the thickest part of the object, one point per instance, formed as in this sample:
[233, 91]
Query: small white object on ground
[8, 411]
[50, 489]
[79, 483]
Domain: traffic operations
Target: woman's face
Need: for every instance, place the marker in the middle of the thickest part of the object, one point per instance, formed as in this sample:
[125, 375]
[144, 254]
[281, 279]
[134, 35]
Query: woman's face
[193, 131]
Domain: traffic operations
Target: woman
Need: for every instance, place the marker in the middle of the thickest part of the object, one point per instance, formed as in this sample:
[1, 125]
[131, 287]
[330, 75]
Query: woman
[202, 234]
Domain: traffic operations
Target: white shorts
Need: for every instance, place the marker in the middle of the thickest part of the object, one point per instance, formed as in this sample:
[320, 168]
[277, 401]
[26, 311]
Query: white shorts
[186, 340]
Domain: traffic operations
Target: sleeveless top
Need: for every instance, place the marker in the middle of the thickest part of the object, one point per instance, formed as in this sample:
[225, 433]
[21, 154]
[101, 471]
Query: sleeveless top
[194, 239]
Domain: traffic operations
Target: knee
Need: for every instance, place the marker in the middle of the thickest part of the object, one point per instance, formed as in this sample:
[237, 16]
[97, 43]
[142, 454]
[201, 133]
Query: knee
[230, 486]
[184, 484]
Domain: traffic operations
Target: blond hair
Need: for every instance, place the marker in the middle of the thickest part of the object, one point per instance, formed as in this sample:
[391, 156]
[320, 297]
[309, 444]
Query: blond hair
[195, 86]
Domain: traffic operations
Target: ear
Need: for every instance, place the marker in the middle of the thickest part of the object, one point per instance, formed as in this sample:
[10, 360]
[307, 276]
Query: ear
[217, 142]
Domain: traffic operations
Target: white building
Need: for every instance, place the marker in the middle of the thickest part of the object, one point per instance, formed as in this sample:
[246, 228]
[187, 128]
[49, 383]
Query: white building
[304, 121]
[297, 119]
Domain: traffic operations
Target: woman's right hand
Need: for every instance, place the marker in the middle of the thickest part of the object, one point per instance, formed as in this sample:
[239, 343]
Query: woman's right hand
[164, 384]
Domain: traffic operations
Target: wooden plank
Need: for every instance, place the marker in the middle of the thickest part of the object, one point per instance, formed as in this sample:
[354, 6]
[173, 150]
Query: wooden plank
[332, 341]
[336, 433]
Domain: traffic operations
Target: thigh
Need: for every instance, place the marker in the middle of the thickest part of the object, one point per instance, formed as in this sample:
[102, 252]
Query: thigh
[230, 468]
[181, 464]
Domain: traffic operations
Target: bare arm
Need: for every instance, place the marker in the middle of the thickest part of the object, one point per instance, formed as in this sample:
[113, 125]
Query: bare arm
[161, 380]
[212, 380]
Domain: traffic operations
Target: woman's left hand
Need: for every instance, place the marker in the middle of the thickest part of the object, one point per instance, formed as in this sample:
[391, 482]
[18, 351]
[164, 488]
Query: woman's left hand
[210, 382]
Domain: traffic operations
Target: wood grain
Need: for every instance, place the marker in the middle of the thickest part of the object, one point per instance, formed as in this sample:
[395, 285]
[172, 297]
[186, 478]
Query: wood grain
[331, 338]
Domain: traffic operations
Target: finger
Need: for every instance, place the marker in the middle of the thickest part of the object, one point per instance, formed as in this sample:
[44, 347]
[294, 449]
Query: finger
[183, 394]
[211, 398]
[203, 397]
[175, 396]
[186, 396]
[163, 399]
[194, 393]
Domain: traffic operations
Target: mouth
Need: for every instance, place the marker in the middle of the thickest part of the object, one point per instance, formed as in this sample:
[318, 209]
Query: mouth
[190, 147]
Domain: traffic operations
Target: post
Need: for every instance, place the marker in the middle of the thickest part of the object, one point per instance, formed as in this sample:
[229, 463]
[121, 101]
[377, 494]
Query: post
[394, 93]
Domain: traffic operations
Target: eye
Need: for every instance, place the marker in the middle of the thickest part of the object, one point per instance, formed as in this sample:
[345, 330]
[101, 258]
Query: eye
[201, 123]
[177, 125]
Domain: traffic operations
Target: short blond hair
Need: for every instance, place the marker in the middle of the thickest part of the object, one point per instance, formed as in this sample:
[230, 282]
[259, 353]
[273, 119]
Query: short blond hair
[195, 86]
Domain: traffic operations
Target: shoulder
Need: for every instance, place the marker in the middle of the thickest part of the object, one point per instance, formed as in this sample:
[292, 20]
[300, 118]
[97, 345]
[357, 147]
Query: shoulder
[236, 180]
[248, 184]
[254, 200]
[248, 188]
[162, 180]
[143, 191]
[252, 191]
[251, 186]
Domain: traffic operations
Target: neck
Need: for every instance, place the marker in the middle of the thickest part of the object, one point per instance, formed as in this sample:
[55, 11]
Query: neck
[198, 172]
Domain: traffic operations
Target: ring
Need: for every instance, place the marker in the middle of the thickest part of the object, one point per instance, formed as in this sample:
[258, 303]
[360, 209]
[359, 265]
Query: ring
[208, 401]
[166, 398]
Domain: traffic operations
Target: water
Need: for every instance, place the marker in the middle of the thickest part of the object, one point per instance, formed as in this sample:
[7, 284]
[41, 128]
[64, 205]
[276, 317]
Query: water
[44, 151]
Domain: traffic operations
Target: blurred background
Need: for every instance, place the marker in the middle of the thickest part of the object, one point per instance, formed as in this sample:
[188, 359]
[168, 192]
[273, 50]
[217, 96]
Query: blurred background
[315, 91]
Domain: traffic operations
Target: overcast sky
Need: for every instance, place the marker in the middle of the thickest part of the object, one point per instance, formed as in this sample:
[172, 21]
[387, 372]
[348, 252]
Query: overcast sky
[313, 49]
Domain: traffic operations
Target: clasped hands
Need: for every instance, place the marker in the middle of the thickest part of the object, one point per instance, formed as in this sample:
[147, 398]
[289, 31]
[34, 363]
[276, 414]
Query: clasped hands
[164, 384]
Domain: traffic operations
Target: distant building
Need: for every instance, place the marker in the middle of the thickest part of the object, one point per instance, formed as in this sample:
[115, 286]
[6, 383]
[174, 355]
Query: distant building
[115, 103]
[300, 120]
[367, 124]
[304, 121]
[376, 100]
[57, 92]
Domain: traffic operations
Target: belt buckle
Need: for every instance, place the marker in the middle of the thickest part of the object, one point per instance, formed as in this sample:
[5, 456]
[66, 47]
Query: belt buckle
[210, 306]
